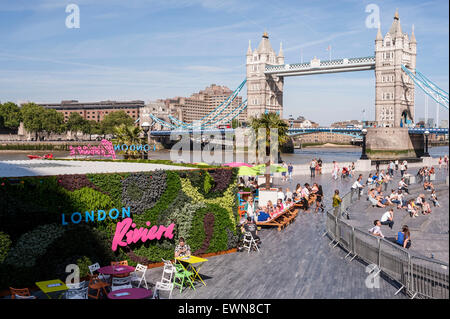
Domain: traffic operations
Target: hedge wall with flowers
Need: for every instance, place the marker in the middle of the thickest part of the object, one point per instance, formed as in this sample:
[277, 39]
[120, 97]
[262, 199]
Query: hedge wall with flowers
[35, 246]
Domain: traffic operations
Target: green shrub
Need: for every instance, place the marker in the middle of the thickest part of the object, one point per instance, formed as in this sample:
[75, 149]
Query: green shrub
[32, 245]
[83, 264]
[5, 243]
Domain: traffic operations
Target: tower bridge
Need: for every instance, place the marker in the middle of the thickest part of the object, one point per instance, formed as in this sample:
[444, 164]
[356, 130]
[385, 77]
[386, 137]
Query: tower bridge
[394, 66]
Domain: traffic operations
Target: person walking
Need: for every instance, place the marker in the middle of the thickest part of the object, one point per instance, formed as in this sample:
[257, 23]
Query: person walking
[402, 169]
[335, 170]
[290, 170]
[312, 168]
[319, 197]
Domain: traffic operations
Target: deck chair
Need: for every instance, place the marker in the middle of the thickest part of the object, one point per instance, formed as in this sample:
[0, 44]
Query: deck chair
[249, 242]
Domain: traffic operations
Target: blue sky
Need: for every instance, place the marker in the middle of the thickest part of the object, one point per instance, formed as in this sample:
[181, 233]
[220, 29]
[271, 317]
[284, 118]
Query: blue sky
[152, 49]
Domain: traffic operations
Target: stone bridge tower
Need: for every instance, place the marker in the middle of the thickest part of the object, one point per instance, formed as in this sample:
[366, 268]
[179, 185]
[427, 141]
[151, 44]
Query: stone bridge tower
[264, 92]
[394, 90]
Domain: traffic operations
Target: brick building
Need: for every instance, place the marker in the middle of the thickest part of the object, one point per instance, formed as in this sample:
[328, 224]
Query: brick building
[95, 110]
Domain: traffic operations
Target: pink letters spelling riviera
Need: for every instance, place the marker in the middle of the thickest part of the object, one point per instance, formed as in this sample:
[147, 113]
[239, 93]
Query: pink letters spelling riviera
[105, 149]
[136, 234]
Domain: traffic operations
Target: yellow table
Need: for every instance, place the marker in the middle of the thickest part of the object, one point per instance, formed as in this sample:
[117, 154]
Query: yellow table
[44, 286]
[191, 260]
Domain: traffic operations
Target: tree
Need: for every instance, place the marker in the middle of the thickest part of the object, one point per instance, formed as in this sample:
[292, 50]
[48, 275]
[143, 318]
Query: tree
[92, 127]
[53, 122]
[114, 119]
[10, 116]
[129, 135]
[269, 121]
[33, 118]
[235, 123]
[76, 123]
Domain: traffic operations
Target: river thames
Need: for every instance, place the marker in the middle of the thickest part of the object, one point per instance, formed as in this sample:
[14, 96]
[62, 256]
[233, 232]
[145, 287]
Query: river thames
[300, 156]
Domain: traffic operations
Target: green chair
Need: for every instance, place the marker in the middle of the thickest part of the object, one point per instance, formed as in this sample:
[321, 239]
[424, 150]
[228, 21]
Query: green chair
[181, 275]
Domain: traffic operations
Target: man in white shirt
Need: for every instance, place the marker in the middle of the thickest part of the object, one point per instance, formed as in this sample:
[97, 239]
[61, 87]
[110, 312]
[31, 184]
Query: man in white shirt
[403, 186]
[376, 230]
[388, 218]
[357, 187]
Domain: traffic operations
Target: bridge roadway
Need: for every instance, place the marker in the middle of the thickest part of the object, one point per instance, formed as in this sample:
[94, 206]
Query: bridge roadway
[295, 131]
[296, 262]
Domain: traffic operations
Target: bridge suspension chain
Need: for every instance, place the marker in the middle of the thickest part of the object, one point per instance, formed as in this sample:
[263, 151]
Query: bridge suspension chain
[431, 89]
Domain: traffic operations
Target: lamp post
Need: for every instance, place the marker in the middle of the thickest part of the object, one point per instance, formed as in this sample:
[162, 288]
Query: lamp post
[426, 154]
[146, 128]
[364, 155]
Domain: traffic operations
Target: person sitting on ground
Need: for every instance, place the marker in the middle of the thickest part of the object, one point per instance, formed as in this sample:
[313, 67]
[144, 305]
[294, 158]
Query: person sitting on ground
[376, 230]
[370, 180]
[428, 186]
[393, 197]
[434, 198]
[374, 200]
[402, 199]
[426, 208]
[388, 218]
[419, 201]
[250, 227]
[182, 249]
[403, 237]
[412, 209]
[403, 186]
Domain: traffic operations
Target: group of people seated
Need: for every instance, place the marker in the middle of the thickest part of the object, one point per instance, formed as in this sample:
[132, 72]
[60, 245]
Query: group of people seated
[302, 194]
[378, 178]
[403, 237]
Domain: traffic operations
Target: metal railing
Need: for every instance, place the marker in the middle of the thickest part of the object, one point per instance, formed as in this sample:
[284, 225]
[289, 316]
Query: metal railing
[419, 276]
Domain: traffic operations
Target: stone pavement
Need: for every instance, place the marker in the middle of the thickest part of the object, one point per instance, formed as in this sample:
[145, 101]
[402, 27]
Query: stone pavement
[294, 263]
[54, 167]
[429, 233]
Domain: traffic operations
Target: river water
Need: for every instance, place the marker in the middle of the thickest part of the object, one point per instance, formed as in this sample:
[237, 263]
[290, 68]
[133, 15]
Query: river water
[300, 156]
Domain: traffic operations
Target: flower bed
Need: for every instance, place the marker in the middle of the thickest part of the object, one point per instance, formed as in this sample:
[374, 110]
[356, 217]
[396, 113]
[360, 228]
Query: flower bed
[36, 246]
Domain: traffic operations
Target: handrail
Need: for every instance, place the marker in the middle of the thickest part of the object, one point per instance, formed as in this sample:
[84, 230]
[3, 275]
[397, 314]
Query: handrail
[429, 280]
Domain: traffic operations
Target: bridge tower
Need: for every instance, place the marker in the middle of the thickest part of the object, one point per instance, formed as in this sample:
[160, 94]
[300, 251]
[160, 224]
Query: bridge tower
[394, 91]
[264, 92]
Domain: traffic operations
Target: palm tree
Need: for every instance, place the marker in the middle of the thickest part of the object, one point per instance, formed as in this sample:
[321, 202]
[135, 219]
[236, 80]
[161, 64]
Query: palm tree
[129, 135]
[269, 121]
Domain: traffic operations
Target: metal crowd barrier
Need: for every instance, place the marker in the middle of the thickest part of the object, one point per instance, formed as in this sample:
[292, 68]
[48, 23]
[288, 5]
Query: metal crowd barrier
[419, 276]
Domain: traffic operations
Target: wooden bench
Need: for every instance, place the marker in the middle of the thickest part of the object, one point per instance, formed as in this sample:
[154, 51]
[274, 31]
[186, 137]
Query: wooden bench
[282, 220]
